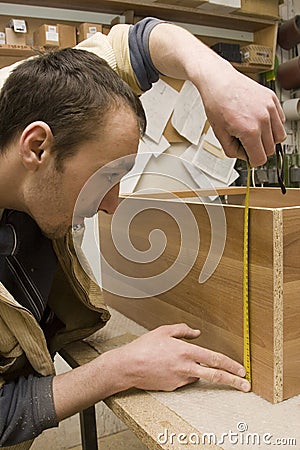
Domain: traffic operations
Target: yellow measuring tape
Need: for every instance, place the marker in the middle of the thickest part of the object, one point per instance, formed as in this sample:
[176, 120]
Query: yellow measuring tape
[247, 356]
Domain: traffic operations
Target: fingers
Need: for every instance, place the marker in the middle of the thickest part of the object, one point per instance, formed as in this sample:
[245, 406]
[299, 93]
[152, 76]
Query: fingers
[231, 145]
[277, 119]
[253, 143]
[217, 360]
[169, 362]
[207, 364]
[221, 377]
[255, 137]
[255, 150]
[218, 368]
[279, 109]
[268, 141]
[263, 130]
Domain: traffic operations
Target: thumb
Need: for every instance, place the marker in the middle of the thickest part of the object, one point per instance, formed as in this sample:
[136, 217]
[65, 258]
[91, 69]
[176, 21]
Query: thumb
[231, 145]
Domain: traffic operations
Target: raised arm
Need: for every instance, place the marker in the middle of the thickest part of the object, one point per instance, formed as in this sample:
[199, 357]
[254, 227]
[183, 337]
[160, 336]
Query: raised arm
[244, 114]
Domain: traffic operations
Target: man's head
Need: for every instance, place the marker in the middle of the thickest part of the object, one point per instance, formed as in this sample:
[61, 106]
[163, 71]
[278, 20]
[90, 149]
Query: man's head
[70, 90]
[64, 115]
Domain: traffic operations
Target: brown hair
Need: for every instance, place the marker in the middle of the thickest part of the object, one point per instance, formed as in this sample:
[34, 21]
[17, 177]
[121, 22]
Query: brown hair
[71, 90]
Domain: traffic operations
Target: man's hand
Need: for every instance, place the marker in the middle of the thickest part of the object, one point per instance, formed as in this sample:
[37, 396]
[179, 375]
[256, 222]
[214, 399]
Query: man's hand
[245, 116]
[160, 360]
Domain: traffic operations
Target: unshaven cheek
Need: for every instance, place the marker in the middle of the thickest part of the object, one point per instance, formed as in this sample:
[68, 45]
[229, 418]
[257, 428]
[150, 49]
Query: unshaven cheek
[49, 206]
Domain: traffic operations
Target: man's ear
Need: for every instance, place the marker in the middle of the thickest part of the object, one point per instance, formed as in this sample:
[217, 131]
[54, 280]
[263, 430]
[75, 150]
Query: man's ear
[35, 144]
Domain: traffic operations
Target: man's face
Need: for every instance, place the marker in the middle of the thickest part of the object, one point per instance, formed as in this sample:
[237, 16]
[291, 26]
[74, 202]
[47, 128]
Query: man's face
[51, 196]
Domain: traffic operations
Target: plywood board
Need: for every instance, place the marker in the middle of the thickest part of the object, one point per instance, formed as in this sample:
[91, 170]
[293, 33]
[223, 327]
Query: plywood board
[216, 306]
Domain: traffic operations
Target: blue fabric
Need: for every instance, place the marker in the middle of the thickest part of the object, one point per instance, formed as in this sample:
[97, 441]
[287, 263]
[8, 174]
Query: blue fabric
[140, 57]
[26, 409]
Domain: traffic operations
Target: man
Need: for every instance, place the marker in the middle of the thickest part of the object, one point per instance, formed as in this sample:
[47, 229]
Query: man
[63, 116]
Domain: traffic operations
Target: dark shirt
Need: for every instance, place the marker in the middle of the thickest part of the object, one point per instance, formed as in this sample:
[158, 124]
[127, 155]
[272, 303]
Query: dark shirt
[140, 57]
[27, 266]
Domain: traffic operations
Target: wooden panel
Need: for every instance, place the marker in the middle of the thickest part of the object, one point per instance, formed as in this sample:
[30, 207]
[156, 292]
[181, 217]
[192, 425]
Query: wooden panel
[16, 50]
[259, 197]
[266, 197]
[274, 287]
[291, 319]
[166, 12]
[216, 306]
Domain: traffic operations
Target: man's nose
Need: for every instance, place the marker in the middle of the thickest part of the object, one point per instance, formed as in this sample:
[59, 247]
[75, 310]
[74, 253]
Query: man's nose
[111, 201]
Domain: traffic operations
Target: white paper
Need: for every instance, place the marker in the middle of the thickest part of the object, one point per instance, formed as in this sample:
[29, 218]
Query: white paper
[51, 36]
[158, 104]
[221, 6]
[189, 115]
[147, 145]
[204, 180]
[19, 26]
[211, 138]
[131, 179]
[219, 168]
[212, 160]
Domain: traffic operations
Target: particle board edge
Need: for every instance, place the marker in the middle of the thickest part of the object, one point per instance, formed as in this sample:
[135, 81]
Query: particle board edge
[278, 303]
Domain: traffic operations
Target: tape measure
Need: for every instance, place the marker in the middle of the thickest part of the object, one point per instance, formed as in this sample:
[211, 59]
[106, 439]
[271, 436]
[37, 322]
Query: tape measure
[247, 356]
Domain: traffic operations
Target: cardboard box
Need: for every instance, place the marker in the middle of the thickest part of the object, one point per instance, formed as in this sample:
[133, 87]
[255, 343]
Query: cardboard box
[265, 8]
[13, 38]
[46, 36]
[257, 54]
[67, 35]
[59, 35]
[221, 6]
[186, 3]
[86, 30]
[215, 306]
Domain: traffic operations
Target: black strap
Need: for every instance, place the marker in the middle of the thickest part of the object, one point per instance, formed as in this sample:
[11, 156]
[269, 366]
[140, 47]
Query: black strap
[8, 240]
[280, 167]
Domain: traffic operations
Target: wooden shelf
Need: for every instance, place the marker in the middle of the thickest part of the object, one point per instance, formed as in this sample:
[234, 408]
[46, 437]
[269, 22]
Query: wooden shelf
[16, 50]
[160, 10]
[251, 68]
[26, 50]
[263, 30]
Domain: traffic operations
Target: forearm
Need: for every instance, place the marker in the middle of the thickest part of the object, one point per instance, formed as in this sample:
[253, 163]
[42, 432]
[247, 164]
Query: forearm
[175, 52]
[246, 117]
[86, 385]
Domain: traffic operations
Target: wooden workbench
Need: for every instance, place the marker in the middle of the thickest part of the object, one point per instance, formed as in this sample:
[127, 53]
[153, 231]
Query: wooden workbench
[188, 412]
